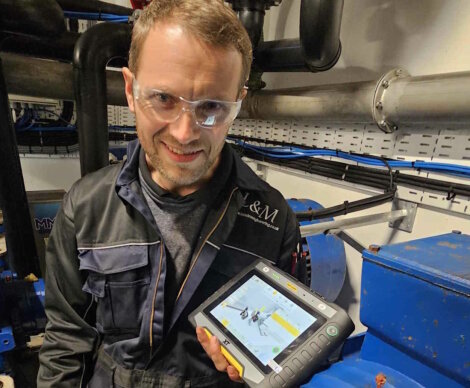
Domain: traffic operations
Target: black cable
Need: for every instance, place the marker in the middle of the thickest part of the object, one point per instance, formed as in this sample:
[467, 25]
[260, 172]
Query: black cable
[372, 177]
[346, 207]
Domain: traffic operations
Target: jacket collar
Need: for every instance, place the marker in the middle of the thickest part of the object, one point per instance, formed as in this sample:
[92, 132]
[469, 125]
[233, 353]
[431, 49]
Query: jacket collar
[130, 168]
[242, 175]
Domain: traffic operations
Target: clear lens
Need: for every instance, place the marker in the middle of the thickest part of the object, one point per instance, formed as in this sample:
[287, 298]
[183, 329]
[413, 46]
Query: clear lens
[210, 113]
[165, 107]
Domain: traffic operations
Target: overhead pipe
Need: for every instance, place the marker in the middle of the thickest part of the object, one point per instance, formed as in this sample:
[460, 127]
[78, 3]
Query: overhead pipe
[22, 255]
[58, 48]
[318, 47]
[94, 6]
[32, 17]
[396, 99]
[251, 14]
[93, 51]
[28, 76]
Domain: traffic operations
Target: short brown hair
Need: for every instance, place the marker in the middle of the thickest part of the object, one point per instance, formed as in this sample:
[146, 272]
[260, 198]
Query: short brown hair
[211, 21]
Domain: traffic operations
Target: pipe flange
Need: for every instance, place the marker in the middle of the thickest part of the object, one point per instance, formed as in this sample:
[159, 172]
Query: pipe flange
[379, 95]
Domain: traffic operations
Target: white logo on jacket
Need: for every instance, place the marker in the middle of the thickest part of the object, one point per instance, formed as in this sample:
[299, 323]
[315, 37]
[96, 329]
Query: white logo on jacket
[259, 213]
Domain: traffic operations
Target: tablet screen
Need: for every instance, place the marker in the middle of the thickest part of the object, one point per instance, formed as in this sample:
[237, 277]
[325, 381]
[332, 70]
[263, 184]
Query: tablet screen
[262, 318]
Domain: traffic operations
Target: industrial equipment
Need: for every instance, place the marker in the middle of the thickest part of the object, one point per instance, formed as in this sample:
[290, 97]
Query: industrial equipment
[415, 301]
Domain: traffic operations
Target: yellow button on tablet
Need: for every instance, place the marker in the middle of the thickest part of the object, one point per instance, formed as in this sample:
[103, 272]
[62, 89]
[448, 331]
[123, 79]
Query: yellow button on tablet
[292, 287]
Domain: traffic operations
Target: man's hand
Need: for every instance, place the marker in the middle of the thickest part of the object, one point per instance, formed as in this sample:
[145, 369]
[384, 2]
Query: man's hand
[212, 348]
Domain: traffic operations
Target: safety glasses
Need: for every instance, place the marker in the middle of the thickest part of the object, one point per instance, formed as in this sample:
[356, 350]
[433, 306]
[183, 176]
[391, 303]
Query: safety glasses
[168, 108]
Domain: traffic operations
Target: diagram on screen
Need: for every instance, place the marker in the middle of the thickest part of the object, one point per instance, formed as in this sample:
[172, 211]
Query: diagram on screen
[262, 319]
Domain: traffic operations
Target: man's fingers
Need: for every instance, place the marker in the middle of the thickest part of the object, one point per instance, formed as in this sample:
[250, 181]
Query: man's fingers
[212, 348]
[233, 374]
[203, 339]
[216, 355]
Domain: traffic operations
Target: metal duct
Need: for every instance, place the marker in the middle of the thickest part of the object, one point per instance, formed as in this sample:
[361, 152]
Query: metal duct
[318, 47]
[92, 52]
[33, 17]
[332, 103]
[94, 6]
[390, 102]
[22, 254]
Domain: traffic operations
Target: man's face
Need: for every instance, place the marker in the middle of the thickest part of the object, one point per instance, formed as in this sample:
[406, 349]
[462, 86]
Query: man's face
[181, 155]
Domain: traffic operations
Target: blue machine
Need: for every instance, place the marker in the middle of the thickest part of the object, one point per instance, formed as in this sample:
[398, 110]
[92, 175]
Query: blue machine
[327, 255]
[415, 301]
[21, 312]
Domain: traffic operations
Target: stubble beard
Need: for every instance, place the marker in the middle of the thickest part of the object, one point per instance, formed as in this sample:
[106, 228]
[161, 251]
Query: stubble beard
[178, 174]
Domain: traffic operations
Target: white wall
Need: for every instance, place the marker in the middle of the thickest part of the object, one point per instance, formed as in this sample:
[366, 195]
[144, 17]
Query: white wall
[49, 172]
[422, 36]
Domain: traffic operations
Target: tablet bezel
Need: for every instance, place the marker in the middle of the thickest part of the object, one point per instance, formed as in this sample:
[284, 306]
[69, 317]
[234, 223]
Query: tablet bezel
[311, 330]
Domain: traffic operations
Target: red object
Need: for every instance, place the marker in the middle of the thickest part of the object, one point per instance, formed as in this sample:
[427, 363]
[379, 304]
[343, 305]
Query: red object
[380, 380]
[140, 4]
[293, 263]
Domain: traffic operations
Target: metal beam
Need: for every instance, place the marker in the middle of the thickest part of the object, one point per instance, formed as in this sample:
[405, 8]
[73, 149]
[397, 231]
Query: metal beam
[352, 222]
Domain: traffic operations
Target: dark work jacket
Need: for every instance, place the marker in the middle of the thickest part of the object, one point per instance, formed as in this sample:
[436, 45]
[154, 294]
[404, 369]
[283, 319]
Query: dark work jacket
[106, 269]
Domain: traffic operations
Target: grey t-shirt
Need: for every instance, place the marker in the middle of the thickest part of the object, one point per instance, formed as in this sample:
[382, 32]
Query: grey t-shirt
[180, 220]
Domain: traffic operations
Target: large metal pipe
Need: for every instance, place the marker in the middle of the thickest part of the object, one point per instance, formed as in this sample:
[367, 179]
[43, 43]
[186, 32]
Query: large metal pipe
[333, 103]
[318, 47]
[35, 77]
[431, 99]
[33, 17]
[93, 50]
[22, 255]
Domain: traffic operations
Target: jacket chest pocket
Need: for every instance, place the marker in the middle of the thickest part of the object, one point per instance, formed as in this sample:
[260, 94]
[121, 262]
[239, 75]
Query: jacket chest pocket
[118, 279]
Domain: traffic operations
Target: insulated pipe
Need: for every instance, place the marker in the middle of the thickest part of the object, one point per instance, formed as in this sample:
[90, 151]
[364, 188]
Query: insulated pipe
[431, 99]
[27, 76]
[251, 14]
[318, 47]
[60, 48]
[439, 98]
[32, 17]
[320, 25]
[94, 6]
[92, 52]
[333, 103]
[22, 254]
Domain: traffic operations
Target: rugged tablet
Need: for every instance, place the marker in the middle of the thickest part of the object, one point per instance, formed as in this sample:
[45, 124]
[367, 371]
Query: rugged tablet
[273, 329]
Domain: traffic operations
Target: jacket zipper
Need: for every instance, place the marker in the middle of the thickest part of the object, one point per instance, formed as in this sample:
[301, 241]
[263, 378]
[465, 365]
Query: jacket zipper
[154, 297]
[205, 240]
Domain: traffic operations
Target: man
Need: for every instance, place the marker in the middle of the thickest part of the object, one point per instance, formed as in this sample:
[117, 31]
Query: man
[136, 247]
